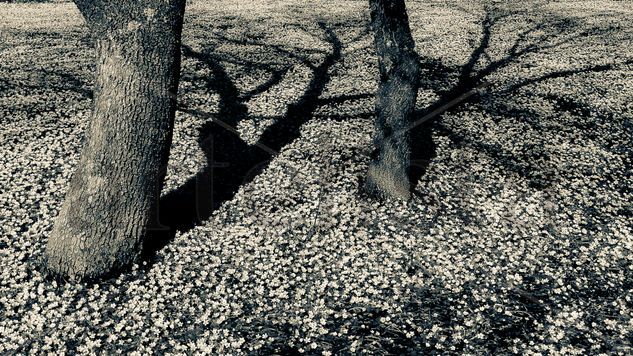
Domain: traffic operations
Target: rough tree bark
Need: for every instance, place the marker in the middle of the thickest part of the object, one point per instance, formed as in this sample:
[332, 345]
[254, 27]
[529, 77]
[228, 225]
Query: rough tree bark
[114, 192]
[395, 100]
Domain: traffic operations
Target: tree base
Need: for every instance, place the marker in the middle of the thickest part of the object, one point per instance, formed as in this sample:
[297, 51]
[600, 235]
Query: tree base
[57, 273]
[383, 183]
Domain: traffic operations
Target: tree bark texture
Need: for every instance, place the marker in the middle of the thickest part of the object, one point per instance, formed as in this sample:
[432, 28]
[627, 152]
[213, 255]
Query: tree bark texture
[395, 101]
[113, 195]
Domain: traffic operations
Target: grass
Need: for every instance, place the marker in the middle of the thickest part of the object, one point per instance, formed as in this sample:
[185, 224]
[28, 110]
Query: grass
[518, 239]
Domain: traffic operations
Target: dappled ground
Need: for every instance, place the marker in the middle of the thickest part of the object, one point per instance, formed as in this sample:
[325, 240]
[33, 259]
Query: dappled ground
[518, 239]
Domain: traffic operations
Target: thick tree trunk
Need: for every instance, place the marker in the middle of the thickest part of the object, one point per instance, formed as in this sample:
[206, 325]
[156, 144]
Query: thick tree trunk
[395, 101]
[113, 195]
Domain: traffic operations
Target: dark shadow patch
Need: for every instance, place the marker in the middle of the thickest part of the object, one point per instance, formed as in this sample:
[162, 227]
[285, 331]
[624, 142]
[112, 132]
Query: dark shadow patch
[457, 86]
[230, 161]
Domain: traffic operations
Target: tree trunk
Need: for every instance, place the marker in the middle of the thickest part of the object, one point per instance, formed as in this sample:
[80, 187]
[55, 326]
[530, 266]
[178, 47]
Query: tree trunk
[113, 195]
[395, 100]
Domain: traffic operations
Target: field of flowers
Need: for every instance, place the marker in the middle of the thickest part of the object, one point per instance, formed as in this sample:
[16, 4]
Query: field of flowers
[518, 238]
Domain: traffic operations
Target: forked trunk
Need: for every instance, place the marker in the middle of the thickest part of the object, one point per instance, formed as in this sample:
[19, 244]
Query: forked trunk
[114, 192]
[395, 100]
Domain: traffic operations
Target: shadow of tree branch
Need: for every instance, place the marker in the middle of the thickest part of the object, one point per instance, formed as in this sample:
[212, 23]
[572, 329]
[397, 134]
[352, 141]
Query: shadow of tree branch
[230, 161]
[554, 33]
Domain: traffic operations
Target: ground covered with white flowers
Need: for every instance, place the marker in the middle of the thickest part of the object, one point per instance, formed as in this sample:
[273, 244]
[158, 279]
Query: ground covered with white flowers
[518, 238]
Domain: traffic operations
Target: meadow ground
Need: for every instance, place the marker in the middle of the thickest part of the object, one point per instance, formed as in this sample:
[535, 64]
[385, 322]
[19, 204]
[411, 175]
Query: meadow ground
[518, 238]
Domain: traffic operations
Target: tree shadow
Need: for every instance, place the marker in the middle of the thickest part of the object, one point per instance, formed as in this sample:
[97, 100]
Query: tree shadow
[459, 85]
[231, 162]
[53, 80]
[423, 150]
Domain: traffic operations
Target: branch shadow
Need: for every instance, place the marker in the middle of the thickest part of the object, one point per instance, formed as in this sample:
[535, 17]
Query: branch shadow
[550, 33]
[231, 162]
[50, 80]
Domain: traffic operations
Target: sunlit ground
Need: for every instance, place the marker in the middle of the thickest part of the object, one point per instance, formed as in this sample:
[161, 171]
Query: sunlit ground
[518, 238]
